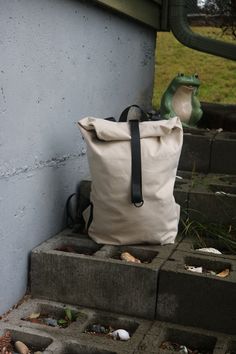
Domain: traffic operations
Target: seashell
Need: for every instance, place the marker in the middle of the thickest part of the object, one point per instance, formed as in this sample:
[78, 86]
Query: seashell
[223, 274]
[209, 249]
[21, 348]
[120, 334]
[194, 269]
[126, 256]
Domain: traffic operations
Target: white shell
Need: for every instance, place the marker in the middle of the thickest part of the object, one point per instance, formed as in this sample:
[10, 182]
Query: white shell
[21, 348]
[121, 334]
[209, 249]
[183, 349]
[194, 269]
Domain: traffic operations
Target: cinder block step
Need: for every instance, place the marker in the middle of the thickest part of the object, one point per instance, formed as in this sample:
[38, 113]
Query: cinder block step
[146, 337]
[204, 197]
[198, 299]
[75, 338]
[207, 198]
[95, 276]
[208, 151]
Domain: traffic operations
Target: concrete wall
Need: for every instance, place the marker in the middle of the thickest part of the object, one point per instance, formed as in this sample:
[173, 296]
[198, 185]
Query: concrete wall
[60, 60]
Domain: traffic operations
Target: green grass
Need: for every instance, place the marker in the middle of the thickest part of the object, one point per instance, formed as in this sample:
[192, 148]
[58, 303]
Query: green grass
[217, 75]
[201, 233]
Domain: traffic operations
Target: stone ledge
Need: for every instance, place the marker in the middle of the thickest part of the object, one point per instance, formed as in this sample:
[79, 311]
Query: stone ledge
[146, 336]
[95, 277]
[194, 299]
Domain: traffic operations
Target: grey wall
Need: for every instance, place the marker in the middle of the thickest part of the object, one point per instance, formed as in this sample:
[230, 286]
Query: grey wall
[60, 60]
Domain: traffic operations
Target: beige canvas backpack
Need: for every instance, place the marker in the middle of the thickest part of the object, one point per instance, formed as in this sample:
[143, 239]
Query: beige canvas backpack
[133, 169]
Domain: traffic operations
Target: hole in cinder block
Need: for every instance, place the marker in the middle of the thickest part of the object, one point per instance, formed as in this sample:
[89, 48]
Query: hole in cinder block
[209, 266]
[228, 179]
[173, 340]
[34, 342]
[190, 131]
[52, 316]
[225, 189]
[84, 349]
[229, 136]
[231, 348]
[220, 245]
[87, 250]
[110, 324]
[180, 182]
[143, 255]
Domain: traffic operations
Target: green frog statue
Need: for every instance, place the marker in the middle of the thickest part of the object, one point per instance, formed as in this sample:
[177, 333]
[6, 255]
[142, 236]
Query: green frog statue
[180, 99]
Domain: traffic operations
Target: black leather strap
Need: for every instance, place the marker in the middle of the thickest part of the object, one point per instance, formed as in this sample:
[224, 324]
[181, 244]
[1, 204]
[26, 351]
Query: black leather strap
[90, 216]
[136, 177]
[111, 119]
[124, 114]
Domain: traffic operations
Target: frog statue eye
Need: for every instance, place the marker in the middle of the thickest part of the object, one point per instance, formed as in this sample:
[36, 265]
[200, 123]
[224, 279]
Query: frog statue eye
[180, 74]
[196, 76]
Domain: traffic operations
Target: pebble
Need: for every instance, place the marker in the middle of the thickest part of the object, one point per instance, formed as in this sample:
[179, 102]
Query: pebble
[97, 328]
[50, 322]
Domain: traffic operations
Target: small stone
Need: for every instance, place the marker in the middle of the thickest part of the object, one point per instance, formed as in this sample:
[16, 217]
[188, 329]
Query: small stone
[50, 322]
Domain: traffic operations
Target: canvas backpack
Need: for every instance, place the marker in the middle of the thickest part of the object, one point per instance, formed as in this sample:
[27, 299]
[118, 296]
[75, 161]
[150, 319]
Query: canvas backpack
[133, 168]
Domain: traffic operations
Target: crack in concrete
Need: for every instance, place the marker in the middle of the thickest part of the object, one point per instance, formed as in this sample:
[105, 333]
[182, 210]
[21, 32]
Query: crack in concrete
[56, 162]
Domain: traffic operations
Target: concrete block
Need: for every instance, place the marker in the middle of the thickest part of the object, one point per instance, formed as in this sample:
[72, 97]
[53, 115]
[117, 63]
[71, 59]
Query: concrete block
[191, 244]
[207, 198]
[196, 150]
[52, 310]
[136, 327]
[206, 207]
[200, 300]
[212, 203]
[74, 347]
[35, 340]
[231, 346]
[202, 340]
[76, 337]
[181, 191]
[96, 277]
[223, 158]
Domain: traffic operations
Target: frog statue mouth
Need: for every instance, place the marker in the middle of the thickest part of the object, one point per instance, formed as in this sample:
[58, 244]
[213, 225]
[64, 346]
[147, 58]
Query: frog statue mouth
[190, 87]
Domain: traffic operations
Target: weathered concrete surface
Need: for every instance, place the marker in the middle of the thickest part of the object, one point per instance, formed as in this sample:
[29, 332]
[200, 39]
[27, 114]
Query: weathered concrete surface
[208, 151]
[59, 340]
[194, 338]
[146, 336]
[195, 299]
[196, 151]
[60, 61]
[96, 277]
[223, 158]
[209, 198]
